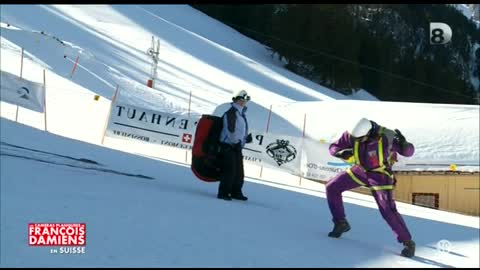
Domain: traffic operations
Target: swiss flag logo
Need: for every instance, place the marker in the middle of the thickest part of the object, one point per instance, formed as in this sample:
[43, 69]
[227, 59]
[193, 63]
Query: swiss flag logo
[186, 138]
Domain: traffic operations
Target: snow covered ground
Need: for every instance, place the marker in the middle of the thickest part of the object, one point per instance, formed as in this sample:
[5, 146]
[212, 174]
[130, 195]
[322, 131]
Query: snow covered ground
[143, 201]
[162, 216]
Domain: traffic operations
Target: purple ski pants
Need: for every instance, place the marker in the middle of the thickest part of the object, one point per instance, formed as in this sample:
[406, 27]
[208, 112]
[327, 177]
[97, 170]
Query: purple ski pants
[384, 199]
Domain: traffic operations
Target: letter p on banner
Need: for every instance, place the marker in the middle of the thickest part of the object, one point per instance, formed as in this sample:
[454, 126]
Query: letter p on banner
[440, 33]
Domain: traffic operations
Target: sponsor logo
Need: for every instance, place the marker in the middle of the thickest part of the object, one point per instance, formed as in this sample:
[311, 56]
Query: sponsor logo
[23, 92]
[281, 151]
[148, 117]
[325, 168]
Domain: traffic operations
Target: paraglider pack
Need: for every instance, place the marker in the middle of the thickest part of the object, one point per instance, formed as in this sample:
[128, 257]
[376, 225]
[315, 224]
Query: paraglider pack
[206, 148]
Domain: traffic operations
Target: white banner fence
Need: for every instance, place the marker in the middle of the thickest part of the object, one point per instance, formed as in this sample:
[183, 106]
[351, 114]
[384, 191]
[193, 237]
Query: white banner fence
[294, 154]
[22, 92]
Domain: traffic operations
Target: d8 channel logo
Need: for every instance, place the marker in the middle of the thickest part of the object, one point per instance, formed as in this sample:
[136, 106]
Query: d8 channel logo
[440, 33]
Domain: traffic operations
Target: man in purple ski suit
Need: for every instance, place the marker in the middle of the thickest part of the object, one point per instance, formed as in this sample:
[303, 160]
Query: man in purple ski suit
[373, 149]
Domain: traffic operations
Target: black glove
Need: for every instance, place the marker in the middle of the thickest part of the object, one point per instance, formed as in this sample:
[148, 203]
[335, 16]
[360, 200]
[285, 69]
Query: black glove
[237, 147]
[399, 137]
[344, 154]
[249, 138]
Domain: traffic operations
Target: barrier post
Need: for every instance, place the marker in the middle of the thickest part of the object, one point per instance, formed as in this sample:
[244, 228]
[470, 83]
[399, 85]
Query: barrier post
[108, 114]
[303, 137]
[21, 76]
[21, 65]
[74, 66]
[45, 100]
[266, 131]
[189, 102]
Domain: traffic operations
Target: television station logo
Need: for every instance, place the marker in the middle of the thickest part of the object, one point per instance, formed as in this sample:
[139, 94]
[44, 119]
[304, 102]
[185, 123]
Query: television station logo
[444, 247]
[63, 238]
[440, 33]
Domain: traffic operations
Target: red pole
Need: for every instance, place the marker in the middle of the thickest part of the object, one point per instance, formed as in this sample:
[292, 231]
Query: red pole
[189, 102]
[303, 136]
[21, 73]
[21, 65]
[74, 66]
[304, 124]
[45, 100]
[16, 115]
[269, 115]
[266, 131]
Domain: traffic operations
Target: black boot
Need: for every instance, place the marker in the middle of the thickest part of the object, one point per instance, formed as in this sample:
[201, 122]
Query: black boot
[408, 248]
[339, 228]
[225, 197]
[239, 196]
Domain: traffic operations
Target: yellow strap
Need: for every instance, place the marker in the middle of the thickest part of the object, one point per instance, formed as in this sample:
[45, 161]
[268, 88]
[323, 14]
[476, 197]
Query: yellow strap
[355, 152]
[386, 187]
[358, 181]
[350, 160]
[380, 152]
[382, 170]
[354, 178]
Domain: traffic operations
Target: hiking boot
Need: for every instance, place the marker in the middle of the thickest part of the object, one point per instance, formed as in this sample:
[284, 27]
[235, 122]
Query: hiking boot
[339, 228]
[408, 248]
[240, 197]
[225, 197]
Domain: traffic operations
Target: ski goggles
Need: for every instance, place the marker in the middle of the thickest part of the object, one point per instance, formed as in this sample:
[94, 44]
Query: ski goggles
[243, 98]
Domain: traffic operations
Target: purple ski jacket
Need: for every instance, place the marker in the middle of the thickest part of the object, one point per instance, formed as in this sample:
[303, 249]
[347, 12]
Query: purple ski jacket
[368, 150]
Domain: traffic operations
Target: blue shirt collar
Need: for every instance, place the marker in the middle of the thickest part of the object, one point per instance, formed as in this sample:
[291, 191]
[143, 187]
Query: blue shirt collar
[239, 108]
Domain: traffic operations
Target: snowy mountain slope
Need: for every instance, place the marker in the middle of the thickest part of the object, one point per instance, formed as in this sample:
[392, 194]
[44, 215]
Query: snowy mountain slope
[325, 120]
[175, 220]
[199, 55]
[118, 36]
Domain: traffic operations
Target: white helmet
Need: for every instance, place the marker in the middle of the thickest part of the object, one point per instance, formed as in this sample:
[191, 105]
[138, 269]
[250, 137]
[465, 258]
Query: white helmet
[242, 94]
[362, 128]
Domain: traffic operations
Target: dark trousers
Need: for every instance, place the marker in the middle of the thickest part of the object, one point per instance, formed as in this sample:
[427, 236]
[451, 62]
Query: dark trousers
[231, 179]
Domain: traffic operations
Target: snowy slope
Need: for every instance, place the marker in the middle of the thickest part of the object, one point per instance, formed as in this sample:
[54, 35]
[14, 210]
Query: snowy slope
[113, 40]
[168, 218]
[201, 56]
[363, 94]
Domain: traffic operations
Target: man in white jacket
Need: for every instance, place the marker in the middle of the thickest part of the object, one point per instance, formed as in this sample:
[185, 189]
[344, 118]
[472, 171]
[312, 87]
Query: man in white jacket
[233, 137]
